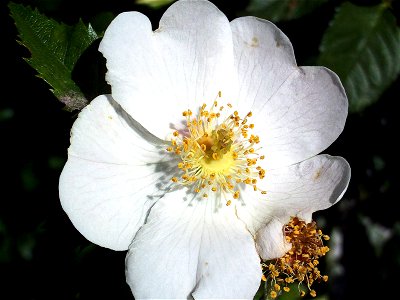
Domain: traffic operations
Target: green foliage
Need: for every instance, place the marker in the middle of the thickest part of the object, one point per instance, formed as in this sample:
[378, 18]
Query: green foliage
[154, 4]
[55, 49]
[362, 45]
[293, 294]
[282, 10]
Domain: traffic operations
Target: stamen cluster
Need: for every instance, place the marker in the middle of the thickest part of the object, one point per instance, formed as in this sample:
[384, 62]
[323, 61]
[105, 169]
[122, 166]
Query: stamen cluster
[217, 152]
[301, 261]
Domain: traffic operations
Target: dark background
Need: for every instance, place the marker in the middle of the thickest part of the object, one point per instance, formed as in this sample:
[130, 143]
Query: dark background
[42, 256]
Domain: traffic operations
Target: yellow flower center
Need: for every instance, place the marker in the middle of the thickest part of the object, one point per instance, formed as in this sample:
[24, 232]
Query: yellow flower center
[217, 154]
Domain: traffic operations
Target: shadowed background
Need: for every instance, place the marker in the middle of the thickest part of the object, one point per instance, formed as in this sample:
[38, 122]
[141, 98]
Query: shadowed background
[42, 256]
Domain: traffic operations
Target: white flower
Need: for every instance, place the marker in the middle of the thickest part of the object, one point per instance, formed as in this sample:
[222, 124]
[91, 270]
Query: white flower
[184, 186]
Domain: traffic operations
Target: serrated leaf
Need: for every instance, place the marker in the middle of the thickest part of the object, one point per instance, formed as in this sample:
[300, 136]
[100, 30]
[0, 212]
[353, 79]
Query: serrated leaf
[55, 48]
[362, 45]
[282, 10]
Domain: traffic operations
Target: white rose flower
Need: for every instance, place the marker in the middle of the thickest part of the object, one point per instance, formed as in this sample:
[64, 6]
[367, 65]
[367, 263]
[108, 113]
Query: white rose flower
[204, 152]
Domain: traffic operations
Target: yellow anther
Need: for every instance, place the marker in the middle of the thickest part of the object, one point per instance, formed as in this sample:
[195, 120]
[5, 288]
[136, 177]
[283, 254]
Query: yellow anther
[228, 202]
[263, 278]
[216, 154]
[286, 289]
[299, 263]
[289, 279]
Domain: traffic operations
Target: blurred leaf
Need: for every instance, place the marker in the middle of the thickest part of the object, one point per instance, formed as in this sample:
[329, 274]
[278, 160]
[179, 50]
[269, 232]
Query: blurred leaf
[6, 114]
[377, 234]
[5, 243]
[292, 294]
[154, 3]
[28, 177]
[379, 163]
[26, 244]
[282, 10]
[82, 252]
[335, 256]
[55, 49]
[49, 5]
[260, 293]
[56, 162]
[362, 45]
[101, 21]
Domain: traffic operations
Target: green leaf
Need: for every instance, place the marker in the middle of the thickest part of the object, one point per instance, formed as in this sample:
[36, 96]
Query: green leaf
[282, 10]
[362, 45]
[55, 48]
[154, 4]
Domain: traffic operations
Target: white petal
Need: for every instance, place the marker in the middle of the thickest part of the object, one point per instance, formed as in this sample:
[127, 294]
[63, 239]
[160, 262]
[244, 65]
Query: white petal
[157, 75]
[109, 181]
[271, 242]
[297, 190]
[229, 266]
[303, 117]
[187, 245]
[298, 112]
[264, 59]
[162, 260]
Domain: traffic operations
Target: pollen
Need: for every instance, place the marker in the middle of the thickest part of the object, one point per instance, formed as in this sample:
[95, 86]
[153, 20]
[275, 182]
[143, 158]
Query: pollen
[300, 262]
[218, 152]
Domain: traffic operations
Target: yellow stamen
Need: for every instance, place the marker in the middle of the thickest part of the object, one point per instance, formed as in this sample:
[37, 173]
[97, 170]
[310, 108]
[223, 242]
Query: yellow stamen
[217, 154]
[300, 262]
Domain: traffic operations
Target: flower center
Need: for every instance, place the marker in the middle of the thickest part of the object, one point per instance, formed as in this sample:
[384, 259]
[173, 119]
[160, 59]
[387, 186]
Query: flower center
[300, 262]
[217, 154]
